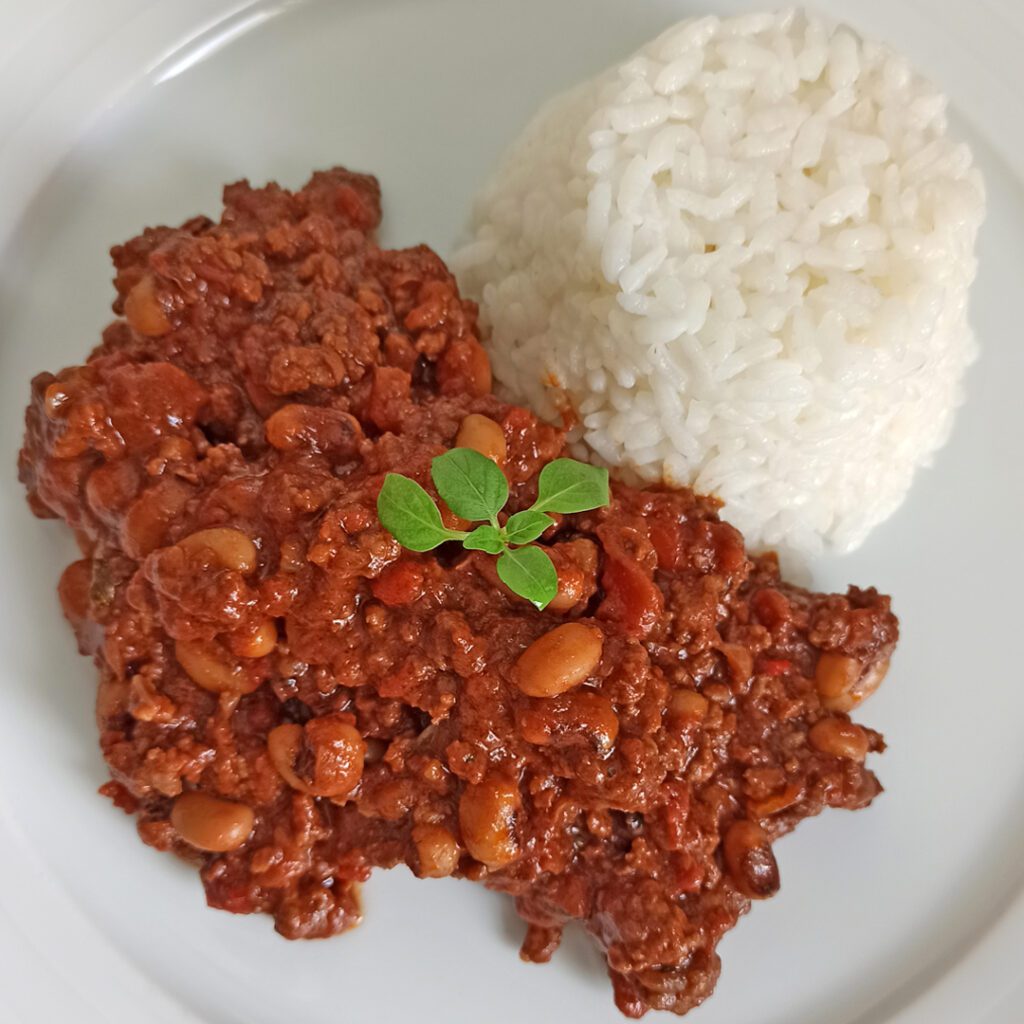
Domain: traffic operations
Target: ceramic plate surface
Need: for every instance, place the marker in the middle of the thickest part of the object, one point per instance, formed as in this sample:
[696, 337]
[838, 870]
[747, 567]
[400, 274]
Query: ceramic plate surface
[116, 114]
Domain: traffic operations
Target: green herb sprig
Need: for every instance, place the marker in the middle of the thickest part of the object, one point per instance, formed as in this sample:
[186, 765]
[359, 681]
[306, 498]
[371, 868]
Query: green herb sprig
[475, 489]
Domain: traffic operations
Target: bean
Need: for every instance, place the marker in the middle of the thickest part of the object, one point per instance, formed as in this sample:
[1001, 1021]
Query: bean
[436, 851]
[231, 548]
[210, 823]
[111, 486]
[450, 520]
[840, 739]
[570, 585]
[331, 747]
[561, 659]
[750, 861]
[339, 749]
[568, 718]
[208, 665]
[777, 802]
[464, 369]
[869, 682]
[835, 677]
[687, 708]
[487, 818]
[75, 589]
[576, 563]
[483, 435]
[150, 516]
[143, 310]
[313, 428]
[283, 745]
[257, 643]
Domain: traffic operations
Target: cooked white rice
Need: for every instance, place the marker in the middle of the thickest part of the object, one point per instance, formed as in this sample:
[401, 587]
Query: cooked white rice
[741, 261]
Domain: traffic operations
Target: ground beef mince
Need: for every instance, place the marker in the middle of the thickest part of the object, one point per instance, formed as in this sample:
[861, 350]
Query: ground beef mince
[288, 699]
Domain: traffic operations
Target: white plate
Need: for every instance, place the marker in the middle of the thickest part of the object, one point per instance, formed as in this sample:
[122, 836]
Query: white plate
[121, 113]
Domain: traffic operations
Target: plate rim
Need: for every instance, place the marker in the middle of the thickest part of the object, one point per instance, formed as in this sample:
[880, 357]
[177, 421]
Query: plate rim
[103, 74]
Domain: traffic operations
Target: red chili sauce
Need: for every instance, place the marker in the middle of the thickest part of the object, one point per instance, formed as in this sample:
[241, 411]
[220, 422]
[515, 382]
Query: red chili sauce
[288, 699]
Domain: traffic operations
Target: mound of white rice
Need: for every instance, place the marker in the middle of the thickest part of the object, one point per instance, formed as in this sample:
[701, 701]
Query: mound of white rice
[740, 261]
